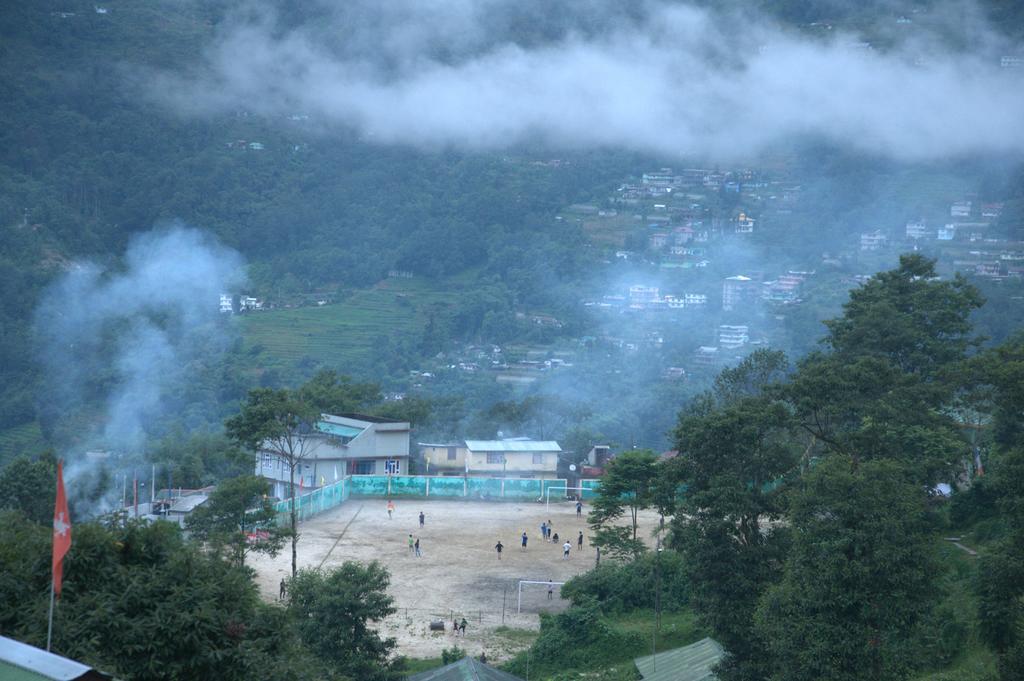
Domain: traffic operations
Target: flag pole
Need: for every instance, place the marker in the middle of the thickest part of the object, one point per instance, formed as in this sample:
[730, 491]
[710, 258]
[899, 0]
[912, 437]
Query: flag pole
[49, 627]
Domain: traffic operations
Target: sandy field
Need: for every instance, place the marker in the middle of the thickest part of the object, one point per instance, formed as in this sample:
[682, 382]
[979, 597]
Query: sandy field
[459, 574]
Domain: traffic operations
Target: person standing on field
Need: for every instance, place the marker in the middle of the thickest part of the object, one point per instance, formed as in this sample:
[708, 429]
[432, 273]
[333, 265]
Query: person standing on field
[524, 540]
[579, 509]
[498, 547]
[417, 546]
[544, 531]
[422, 517]
[565, 550]
[410, 543]
[579, 542]
[462, 626]
[391, 508]
[551, 590]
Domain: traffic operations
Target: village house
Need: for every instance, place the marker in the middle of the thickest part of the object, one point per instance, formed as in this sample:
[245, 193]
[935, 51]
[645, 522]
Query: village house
[873, 241]
[731, 336]
[509, 457]
[340, 445]
[960, 209]
[917, 230]
[744, 224]
[946, 233]
[736, 291]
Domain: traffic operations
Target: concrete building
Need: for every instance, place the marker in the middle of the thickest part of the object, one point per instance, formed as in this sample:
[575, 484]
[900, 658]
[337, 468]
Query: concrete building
[917, 230]
[732, 336]
[512, 457]
[736, 291]
[873, 241]
[22, 662]
[344, 444]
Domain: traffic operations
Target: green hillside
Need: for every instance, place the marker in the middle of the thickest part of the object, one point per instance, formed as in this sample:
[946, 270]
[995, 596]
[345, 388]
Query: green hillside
[344, 334]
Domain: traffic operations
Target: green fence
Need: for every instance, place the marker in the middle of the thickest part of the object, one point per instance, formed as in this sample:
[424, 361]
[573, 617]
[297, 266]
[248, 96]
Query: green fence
[317, 501]
[451, 487]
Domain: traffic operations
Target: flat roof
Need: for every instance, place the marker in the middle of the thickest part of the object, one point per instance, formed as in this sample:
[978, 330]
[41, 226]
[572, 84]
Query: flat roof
[512, 446]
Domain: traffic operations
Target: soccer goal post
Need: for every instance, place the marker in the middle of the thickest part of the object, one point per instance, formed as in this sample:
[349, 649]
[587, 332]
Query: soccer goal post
[519, 597]
[566, 488]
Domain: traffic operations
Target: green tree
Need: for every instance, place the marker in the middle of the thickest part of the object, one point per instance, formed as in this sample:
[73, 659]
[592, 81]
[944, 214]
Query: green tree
[858, 579]
[627, 486]
[279, 422]
[238, 519]
[334, 609]
[333, 393]
[916, 322]
[733, 458]
[30, 487]
[140, 602]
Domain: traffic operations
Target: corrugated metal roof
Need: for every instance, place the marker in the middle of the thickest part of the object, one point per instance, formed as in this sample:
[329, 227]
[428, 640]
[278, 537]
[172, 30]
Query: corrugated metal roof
[512, 446]
[338, 429]
[466, 669]
[21, 661]
[689, 663]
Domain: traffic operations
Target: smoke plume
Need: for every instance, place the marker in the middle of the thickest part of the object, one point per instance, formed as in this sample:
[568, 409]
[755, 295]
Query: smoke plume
[119, 346]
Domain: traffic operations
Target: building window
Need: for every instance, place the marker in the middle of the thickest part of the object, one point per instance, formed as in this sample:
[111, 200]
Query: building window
[392, 466]
[495, 458]
[538, 458]
[363, 467]
[451, 453]
[268, 460]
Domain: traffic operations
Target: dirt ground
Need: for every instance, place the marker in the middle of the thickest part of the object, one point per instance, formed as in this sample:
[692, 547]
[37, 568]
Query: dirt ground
[459, 574]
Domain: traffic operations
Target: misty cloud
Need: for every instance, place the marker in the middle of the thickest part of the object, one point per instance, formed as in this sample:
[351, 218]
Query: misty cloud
[116, 343]
[668, 79]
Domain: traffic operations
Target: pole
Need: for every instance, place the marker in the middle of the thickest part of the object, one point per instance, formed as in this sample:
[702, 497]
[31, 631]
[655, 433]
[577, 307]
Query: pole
[504, 593]
[152, 490]
[49, 626]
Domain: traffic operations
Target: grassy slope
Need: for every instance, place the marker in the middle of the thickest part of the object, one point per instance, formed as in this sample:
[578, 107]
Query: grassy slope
[23, 439]
[345, 333]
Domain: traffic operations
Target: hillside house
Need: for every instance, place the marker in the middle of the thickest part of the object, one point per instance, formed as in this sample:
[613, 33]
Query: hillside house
[946, 233]
[511, 457]
[873, 241]
[339, 445]
[960, 209]
[736, 291]
[744, 224]
[732, 336]
[917, 230]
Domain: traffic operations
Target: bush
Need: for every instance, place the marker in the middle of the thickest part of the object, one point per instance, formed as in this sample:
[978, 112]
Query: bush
[620, 587]
[579, 638]
[453, 654]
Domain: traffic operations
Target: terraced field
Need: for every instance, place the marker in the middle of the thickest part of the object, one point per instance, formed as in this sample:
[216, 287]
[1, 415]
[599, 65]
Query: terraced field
[345, 332]
[25, 438]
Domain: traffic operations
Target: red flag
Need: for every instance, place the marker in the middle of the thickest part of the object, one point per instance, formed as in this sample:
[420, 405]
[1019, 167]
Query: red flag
[61, 529]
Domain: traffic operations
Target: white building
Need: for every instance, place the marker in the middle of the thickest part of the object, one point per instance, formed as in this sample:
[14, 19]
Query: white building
[731, 336]
[737, 290]
[873, 241]
[947, 233]
[340, 445]
[917, 230]
[960, 209]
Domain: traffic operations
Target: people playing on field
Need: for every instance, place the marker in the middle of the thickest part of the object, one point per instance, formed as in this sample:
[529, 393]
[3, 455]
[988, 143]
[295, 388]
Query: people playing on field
[554, 538]
[544, 531]
[498, 547]
[565, 550]
[422, 517]
[549, 530]
[391, 507]
[579, 542]
[417, 545]
[410, 543]
[462, 624]
[524, 540]
[551, 590]
[579, 509]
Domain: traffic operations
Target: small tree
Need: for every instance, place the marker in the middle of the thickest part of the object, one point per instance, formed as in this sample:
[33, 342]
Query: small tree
[278, 421]
[333, 610]
[239, 519]
[628, 485]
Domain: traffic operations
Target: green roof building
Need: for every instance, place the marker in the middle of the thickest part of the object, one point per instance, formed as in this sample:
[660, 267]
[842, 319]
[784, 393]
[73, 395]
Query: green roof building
[466, 669]
[22, 662]
[689, 663]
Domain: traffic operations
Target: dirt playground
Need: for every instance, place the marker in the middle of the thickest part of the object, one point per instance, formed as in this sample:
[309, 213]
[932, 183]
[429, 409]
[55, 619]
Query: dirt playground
[459, 574]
